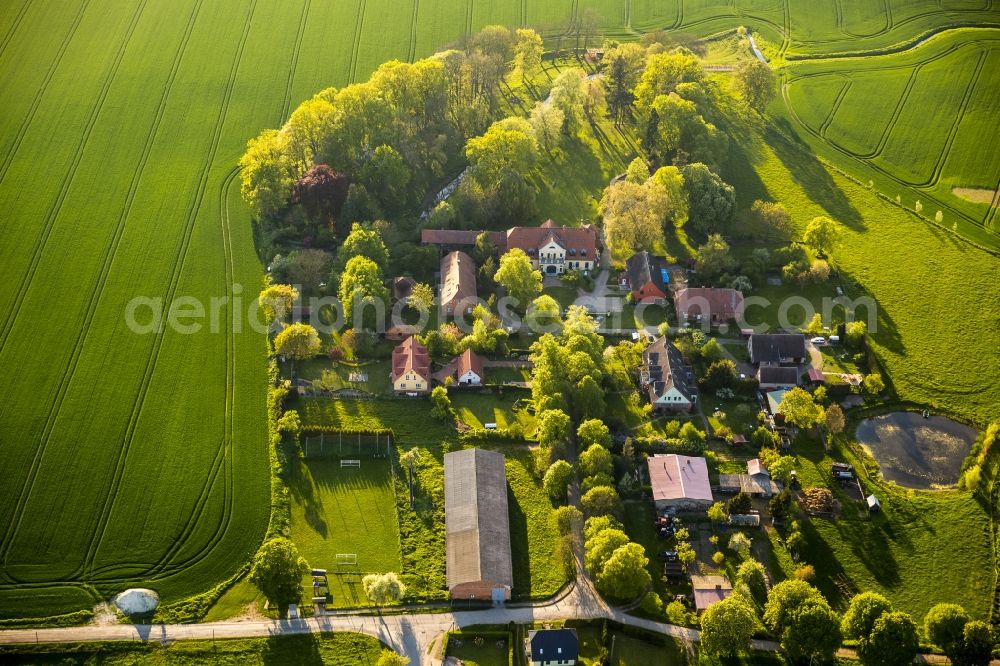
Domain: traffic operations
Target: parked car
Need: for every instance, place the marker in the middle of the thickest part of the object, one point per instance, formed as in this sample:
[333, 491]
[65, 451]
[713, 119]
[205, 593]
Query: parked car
[668, 555]
[819, 340]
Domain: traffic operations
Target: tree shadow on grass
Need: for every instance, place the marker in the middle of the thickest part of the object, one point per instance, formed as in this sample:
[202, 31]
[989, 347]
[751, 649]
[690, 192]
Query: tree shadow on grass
[811, 175]
[303, 491]
[519, 549]
[298, 649]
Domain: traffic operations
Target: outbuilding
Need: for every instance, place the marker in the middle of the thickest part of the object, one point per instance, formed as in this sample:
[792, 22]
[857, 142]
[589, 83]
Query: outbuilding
[679, 481]
[477, 526]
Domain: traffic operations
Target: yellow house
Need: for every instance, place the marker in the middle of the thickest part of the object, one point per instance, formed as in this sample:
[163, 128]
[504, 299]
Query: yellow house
[411, 367]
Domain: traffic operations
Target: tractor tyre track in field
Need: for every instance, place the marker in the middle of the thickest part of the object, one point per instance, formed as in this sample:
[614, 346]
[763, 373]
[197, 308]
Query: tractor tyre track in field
[14, 26]
[678, 16]
[837, 148]
[825, 125]
[352, 68]
[39, 452]
[293, 66]
[412, 52]
[225, 448]
[60, 52]
[194, 208]
[963, 107]
[469, 9]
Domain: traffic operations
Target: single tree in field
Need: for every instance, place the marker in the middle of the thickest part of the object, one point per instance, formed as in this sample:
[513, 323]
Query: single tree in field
[727, 627]
[892, 642]
[322, 193]
[516, 275]
[755, 82]
[421, 297]
[298, 342]
[277, 300]
[821, 233]
[382, 589]
[277, 571]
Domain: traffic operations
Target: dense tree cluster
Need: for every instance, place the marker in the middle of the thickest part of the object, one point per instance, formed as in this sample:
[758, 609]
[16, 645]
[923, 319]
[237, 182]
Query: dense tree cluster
[617, 565]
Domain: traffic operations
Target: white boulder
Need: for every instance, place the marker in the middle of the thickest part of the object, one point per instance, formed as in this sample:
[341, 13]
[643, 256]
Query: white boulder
[137, 601]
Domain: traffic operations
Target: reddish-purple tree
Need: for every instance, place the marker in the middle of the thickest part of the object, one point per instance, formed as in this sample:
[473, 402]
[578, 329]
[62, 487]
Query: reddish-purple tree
[322, 193]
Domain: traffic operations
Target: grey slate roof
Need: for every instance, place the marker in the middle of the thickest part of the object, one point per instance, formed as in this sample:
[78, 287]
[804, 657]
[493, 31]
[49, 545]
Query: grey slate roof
[664, 367]
[642, 268]
[772, 347]
[477, 528]
[775, 374]
[554, 645]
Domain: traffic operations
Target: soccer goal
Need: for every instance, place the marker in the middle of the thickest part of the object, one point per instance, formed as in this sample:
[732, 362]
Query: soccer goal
[350, 463]
[346, 562]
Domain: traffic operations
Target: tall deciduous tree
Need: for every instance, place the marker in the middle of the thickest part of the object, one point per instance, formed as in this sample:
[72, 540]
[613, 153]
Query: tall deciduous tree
[527, 52]
[277, 571]
[631, 222]
[601, 501]
[516, 275]
[773, 218]
[835, 420]
[755, 82]
[361, 285]
[892, 642]
[309, 268]
[751, 578]
[508, 148]
[363, 241]
[821, 233]
[593, 431]
[711, 201]
[547, 122]
[600, 547]
[944, 625]
[553, 427]
[382, 589]
[799, 409]
[421, 297]
[624, 575]
[714, 257]
[297, 341]
[267, 174]
[596, 460]
[727, 627]
[663, 73]
[556, 478]
[568, 95]
[322, 192]
[865, 608]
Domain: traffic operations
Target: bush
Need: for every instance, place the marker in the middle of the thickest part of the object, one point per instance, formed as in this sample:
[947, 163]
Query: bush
[652, 604]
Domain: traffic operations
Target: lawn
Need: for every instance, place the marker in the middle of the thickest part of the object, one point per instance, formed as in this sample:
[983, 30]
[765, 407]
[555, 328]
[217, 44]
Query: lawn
[625, 650]
[408, 418]
[924, 548]
[376, 375]
[331, 649]
[345, 510]
[477, 409]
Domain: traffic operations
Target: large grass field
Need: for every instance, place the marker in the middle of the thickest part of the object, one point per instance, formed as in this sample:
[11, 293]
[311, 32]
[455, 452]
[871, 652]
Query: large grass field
[345, 510]
[141, 458]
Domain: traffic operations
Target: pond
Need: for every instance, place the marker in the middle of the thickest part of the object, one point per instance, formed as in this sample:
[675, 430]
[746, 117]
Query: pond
[916, 452]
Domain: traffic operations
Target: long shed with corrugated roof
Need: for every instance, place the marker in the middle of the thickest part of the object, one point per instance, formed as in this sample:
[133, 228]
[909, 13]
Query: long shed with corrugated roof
[477, 525]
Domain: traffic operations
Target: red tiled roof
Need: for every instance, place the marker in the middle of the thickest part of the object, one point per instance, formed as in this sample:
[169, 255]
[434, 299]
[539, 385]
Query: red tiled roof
[410, 355]
[709, 302]
[458, 280]
[816, 375]
[582, 239]
[469, 360]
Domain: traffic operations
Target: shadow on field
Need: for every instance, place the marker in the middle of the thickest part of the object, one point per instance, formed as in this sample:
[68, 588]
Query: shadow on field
[520, 557]
[303, 490]
[811, 175]
[300, 649]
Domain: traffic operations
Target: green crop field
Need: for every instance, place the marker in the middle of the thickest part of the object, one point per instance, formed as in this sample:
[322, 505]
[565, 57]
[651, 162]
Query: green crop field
[918, 124]
[141, 458]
